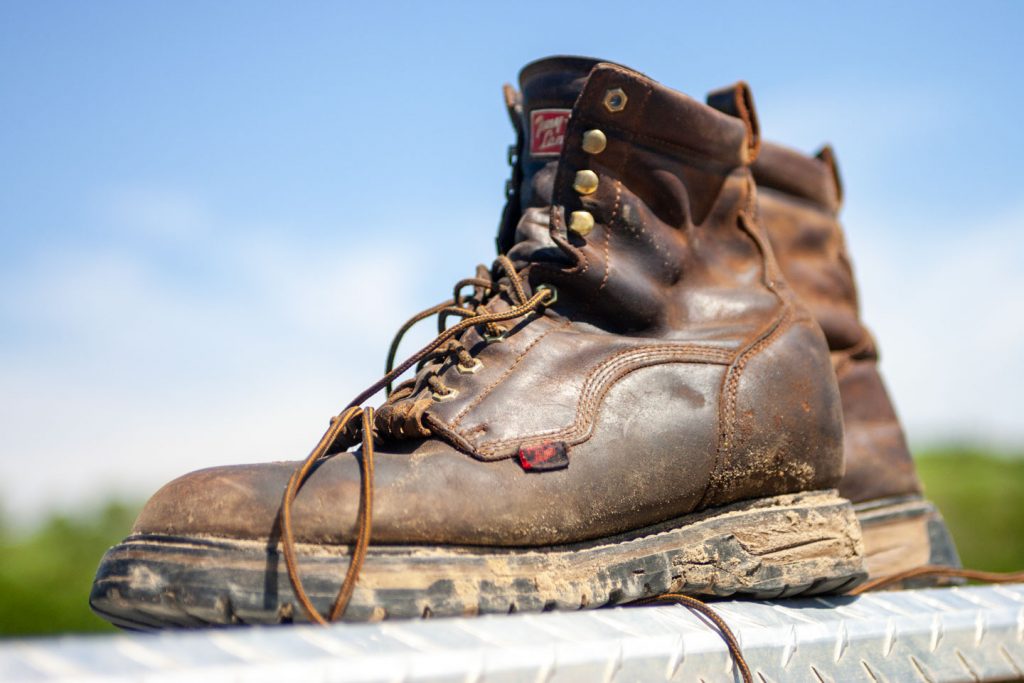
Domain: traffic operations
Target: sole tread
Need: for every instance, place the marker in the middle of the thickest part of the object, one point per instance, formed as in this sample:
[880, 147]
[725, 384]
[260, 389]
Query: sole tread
[801, 544]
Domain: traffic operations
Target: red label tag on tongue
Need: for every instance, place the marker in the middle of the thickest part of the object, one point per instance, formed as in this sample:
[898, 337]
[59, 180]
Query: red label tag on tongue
[547, 131]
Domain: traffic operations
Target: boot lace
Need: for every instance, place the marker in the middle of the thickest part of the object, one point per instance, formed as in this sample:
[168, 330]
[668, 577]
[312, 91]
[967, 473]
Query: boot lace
[344, 430]
[937, 571]
[486, 288]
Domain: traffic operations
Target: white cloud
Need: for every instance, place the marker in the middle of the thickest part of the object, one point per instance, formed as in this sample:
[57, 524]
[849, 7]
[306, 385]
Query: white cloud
[153, 212]
[128, 372]
[947, 305]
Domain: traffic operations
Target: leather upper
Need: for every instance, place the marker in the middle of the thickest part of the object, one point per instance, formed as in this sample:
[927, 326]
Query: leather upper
[676, 368]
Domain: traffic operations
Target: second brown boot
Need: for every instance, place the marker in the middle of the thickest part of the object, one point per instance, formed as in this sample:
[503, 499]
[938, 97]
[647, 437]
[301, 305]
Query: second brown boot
[799, 198]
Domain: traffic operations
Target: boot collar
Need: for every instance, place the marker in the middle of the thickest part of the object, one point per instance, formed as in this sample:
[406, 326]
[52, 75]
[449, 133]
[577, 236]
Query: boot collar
[814, 178]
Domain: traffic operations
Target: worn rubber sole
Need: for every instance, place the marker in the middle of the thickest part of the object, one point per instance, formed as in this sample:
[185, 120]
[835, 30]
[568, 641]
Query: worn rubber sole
[775, 547]
[903, 533]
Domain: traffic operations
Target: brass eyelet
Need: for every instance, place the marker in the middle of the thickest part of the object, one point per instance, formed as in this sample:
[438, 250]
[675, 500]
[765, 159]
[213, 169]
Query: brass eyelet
[554, 294]
[615, 100]
[472, 369]
[452, 393]
[496, 338]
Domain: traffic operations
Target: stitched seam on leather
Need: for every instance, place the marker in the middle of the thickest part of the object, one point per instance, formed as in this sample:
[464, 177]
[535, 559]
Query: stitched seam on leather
[604, 376]
[450, 435]
[608, 235]
[607, 259]
[586, 262]
[579, 431]
[730, 388]
[594, 401]
[508, 371]
[655, 141]
[649, 86]
[628, 137]
[735, 373]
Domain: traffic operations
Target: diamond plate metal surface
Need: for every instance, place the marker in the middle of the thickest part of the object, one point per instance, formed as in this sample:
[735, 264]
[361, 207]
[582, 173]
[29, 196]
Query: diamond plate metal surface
[950, 634]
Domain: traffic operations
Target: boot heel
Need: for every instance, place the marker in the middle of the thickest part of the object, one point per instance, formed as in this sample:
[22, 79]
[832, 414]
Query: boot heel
[905, 532]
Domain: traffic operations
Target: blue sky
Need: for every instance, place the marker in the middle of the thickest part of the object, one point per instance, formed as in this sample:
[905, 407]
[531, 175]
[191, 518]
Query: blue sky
[214, 215]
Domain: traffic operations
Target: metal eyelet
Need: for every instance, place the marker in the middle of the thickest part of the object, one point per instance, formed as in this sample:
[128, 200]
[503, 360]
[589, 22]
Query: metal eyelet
[615, 100]
[452, 393]
[496, 338]
[554, 293]
[472, 369]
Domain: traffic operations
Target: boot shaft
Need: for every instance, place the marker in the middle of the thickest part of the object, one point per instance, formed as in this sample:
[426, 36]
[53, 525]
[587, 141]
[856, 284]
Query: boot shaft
[636, 201]
[798, 201]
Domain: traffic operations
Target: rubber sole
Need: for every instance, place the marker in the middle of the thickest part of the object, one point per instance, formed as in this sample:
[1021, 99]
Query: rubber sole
[798, 544]
[902, 533]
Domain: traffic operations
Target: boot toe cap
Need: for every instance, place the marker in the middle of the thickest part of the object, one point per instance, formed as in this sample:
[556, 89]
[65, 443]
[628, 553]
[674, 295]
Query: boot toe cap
[239, 501]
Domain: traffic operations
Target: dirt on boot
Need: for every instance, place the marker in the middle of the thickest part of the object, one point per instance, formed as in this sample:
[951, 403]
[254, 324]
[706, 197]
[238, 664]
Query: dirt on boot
[631, 401]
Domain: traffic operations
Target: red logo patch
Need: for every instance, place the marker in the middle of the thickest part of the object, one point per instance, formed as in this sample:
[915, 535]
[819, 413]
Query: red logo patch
[547, 131]
[542, 457]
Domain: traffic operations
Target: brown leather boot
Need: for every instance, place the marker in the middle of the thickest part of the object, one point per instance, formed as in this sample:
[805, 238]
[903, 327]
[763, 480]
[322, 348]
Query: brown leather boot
[632, 402]
[798, 200]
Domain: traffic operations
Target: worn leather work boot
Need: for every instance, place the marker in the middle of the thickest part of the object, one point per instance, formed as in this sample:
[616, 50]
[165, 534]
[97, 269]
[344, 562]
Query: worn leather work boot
[798, 200]
[632, 402]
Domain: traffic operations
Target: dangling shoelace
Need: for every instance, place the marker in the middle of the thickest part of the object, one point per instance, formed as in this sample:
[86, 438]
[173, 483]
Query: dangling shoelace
[341, 430]
[934, 570]
[487, 287]
[446, 343]
[705, 610]
[872, 585]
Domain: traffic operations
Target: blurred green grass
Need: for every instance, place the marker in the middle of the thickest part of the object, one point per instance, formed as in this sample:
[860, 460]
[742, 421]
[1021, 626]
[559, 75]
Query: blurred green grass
[46, 574]
[979, 494]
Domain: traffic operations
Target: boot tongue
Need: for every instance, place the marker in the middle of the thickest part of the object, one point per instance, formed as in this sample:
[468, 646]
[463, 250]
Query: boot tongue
[549, 89]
